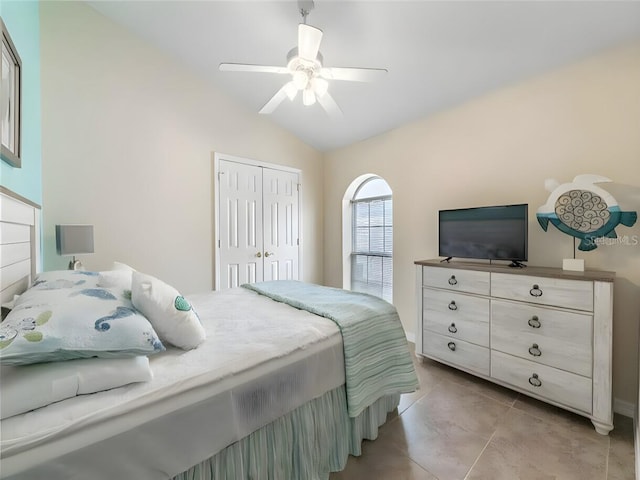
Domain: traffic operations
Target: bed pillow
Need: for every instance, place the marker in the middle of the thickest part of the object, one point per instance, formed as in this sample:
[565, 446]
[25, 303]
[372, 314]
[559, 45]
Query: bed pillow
[170, 313]
[115, 279]
[119, 277]
[48, 286]
[48, 325]
[122, 266]
[29, 387]
[66, 278]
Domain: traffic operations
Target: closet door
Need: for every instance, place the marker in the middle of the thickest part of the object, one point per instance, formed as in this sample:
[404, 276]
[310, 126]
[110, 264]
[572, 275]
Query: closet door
[240, 220]
[280, 207]
[258, 218]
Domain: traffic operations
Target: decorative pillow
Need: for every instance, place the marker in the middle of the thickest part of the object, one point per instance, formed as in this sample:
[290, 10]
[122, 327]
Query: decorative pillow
[67, 278]
[115, 279]
[122, 266]
[118, 278]
[169, 312]
[28, 387]
[49, 286]
[51, 324]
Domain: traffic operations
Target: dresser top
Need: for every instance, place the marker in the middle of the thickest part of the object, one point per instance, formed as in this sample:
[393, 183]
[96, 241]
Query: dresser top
[592, 275]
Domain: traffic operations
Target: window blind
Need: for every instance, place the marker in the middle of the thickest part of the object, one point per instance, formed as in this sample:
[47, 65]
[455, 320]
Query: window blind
[371, 258]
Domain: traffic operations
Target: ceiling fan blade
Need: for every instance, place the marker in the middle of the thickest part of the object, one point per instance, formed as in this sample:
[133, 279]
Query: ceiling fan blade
[353, 74]
[276, 100]
[243, 67]
[330, 106]
[309, 39]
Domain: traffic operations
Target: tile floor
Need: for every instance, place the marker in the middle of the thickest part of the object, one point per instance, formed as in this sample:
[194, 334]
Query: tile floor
[459, 427]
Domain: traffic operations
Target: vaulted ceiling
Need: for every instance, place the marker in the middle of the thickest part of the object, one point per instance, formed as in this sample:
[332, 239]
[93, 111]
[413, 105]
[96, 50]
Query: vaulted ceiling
[438, 53]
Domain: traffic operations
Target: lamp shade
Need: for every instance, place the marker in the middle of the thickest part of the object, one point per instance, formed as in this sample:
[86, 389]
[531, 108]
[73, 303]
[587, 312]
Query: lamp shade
[74, 239]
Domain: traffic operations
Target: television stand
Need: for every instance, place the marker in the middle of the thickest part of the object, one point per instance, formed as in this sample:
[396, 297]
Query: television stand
[446, 260]
[516, 264]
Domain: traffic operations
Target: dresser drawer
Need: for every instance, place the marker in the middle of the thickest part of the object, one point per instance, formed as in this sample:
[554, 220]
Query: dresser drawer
[457, 315]
[469, 281]
[457, 352]
[556, 385]
[575, 294]
[551, 337]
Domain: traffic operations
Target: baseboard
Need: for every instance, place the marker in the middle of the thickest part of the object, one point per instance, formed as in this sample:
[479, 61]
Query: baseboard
[411, 337]
[625, 408]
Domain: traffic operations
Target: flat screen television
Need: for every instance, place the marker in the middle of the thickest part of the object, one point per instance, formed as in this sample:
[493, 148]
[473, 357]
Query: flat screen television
[488, 233]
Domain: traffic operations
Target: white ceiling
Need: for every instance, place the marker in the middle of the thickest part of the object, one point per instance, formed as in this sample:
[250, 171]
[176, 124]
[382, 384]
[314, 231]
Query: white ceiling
[438, 53]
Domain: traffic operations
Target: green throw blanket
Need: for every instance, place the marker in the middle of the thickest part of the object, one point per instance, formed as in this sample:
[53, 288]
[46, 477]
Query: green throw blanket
[376, 355]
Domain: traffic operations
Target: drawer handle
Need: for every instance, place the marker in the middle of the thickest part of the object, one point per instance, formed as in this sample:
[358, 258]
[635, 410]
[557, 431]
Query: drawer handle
[534, 322]
[535, 381]
[452, 346]
[452, 305]
[535, 291]
[452, 328]
[452, 280]
[534, 350]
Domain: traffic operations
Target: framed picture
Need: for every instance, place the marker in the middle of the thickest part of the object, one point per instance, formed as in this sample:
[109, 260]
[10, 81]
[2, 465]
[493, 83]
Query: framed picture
[10, 101]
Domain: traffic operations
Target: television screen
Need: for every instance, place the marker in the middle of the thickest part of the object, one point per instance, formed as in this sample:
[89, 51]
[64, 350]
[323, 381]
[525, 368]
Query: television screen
[494, 233]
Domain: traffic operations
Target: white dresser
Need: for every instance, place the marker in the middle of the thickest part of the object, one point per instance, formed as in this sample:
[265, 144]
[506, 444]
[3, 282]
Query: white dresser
[545, 332]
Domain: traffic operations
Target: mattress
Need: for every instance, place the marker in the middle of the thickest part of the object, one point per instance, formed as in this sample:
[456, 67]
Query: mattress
[261, 360]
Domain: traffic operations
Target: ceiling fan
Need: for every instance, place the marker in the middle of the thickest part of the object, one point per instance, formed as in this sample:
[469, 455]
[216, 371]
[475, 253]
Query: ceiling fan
[304, 64]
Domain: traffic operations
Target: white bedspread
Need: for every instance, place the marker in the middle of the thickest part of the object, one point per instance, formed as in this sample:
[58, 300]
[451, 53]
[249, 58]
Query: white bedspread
[264, 359]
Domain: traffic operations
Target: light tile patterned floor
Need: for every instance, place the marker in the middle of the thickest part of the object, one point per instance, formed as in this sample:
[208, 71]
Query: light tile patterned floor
[459, 427]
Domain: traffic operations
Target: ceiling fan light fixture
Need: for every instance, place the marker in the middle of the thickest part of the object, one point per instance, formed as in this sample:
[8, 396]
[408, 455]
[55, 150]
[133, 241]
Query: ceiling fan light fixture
[300, 79]
[320, 86]
[291, 90]
[308, 97]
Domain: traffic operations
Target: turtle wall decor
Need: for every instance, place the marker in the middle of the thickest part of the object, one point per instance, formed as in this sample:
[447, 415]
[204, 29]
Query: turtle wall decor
[583, 210]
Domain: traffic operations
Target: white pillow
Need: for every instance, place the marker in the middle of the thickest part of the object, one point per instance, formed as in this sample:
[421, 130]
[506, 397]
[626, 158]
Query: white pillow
[171, 315]
[122, 266]
[28, 387]
[116, 279]
[119, 277]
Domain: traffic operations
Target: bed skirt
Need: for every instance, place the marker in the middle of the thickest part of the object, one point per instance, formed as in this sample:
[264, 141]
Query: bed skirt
[306, 444]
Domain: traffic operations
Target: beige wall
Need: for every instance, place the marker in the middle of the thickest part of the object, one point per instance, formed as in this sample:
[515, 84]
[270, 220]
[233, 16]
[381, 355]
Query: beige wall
[128, 136]
[499, 149]
[128, 141]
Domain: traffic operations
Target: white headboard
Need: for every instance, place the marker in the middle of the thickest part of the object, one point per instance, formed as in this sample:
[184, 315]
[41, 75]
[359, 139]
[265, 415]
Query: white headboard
[19, 243]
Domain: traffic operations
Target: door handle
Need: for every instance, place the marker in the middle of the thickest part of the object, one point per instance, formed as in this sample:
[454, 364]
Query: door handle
[267, 254]
[258, 254]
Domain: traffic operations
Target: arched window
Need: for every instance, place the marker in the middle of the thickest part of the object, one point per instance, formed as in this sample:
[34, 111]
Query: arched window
[372, 239]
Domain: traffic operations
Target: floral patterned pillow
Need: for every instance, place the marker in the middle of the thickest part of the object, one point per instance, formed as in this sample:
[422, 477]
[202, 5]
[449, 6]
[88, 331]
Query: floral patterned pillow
[65, 315]
[48, 285]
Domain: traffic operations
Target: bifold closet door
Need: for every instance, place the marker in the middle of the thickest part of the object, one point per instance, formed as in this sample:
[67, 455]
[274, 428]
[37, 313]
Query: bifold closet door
[280, 207]
[258, 224]
[240, 217]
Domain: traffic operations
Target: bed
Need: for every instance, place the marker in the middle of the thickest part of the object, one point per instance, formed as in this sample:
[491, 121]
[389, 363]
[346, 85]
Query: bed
[274, 392]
